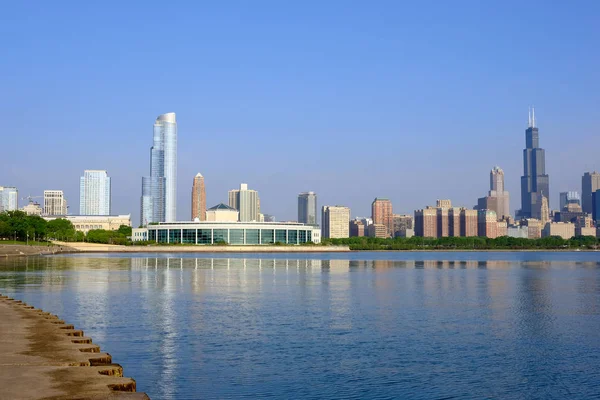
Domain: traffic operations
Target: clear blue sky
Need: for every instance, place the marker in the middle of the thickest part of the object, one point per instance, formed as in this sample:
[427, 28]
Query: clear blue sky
[411, 101]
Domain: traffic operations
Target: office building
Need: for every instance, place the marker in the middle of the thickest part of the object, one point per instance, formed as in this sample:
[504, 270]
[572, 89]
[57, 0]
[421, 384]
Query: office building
[94, 193]
[378, 231]
[502, 228]
[566, 198]
[487, 223]
[382, 214]
[534, 227]
[233, 233]
[9, 198]
[222, 213]
[565, 230]
[426, 222]
[402, 223]
[307, 208]
[86, 223]
[198, 198]
[335, 222]
[159, 190]
[596, 206]
[54, 203]
[535, 183]
[570, 213]
[518, 231]
[590, 183]
[497, 199]
[357, 228]
[246, 201]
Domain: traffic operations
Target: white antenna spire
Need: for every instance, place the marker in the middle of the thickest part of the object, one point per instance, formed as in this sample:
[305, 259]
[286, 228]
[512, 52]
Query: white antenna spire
[529, 119]
[533, 117]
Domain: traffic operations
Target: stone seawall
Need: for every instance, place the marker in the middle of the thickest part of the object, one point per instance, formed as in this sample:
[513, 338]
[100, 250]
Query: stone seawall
[20, 250]
[42, 357]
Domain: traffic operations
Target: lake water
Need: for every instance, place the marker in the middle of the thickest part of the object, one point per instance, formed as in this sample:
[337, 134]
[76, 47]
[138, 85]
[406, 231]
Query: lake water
[329, 326]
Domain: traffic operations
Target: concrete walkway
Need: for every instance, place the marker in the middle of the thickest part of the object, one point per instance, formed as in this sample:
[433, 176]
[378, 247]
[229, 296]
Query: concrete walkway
[42, 357]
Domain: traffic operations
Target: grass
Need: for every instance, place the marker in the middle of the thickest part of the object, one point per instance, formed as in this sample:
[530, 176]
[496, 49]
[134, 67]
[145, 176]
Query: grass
[31, 243]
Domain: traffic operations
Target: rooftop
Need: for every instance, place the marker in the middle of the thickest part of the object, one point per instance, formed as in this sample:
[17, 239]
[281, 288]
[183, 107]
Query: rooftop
[221, 206]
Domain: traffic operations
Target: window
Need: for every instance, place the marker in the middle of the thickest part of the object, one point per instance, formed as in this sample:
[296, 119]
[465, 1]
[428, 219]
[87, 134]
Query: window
[266, 236]
[236, 236]
[252, 236]
[174, 235]
[220, 235]
[204, 236]
[301, 236]
[293, 236]
[280, 236]
[189, 236]
[152, 235]
[162, 235]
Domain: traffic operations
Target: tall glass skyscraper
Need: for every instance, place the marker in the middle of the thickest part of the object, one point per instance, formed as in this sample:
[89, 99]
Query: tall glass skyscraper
[9, 198]
[307, 208]
[94, 193]
[159, 190]
[535, 183]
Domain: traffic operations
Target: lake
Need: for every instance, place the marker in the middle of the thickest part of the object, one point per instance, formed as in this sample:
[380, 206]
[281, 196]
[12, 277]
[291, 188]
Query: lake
[411, 325]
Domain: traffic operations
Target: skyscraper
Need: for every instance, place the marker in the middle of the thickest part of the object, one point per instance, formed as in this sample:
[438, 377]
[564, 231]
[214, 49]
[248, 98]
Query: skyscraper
[9, 198]
[159, 190]
[199, 198]
[94, 193]
[590, 182]
[307, 208]
[246, 201]
[497, 198]
[535, 183]
[566, 198]
[335, 222]
[382, 214]
[54, 203]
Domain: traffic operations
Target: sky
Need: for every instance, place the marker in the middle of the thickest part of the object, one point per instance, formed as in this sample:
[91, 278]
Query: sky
[413, 101]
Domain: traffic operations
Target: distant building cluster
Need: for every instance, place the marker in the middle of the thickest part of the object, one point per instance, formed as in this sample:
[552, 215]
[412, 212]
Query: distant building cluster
[241, 221]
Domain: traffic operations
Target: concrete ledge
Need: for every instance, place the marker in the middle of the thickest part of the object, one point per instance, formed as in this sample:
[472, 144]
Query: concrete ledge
[108, 248]
[42, 357]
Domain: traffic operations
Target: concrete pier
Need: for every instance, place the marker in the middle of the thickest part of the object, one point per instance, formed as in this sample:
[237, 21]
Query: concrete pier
[42, 357]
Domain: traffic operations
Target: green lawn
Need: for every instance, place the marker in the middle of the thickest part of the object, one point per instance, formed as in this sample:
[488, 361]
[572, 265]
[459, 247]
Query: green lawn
[31, 243]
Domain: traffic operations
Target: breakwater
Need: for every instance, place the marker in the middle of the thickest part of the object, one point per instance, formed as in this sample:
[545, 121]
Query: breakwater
[43, 357]
[111, 248]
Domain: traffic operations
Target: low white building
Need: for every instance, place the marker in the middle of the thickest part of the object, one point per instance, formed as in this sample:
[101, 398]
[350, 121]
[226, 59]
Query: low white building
[234, 233]
[33, 209]
[85, 223]
[222, 212]
[565, 230]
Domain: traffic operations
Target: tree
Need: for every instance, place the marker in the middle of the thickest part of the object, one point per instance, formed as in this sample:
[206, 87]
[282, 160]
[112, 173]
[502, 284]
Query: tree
[60, 228]
[124, 230]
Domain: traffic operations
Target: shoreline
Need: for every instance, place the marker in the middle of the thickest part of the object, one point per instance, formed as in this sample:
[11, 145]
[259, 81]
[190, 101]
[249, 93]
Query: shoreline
[42, 357]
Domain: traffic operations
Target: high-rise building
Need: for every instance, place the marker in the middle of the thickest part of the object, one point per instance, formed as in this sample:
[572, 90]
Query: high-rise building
[566, 198]
[487, 223]
[159, 190]
[426, 222]
[590, 182]
[357, 228]
[381, 212]
[535, 183]
[307, 208]
[335, 222]
[544, 211]
[246, 201]
[468, 222]
[454, 221]
[378, 231]
[54, 203]
[402, 224]
[94, 193]
[9, 198]
[534, 227]
[443, 222]
[497, 199]
[198, 198]
[596, 206]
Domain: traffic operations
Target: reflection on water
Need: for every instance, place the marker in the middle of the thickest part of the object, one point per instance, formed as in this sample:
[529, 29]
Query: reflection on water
[410, 326]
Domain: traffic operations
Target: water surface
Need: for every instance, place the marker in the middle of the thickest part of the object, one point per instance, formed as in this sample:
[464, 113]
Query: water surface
[356, 325]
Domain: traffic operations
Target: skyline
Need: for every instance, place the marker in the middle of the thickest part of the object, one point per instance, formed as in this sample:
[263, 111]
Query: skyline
[440, 89]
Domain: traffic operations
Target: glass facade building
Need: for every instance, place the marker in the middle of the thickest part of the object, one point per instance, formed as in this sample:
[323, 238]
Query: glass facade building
[159, 190]
[9, 198]
[94, 193]
[233, 233]
[307, 208]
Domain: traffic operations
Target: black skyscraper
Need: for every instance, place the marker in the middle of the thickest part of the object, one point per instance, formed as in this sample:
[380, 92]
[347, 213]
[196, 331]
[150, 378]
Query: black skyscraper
[534, 182]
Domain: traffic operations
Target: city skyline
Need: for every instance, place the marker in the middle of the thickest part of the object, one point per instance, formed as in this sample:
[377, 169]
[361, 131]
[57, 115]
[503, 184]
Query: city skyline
[452, 120]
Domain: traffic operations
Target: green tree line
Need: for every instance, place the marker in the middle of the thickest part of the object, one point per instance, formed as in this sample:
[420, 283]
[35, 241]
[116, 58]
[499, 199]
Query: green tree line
[17, 225]
[465, 243]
